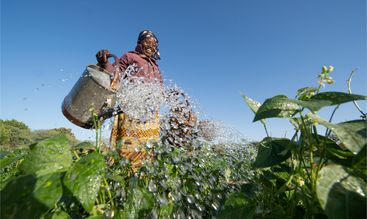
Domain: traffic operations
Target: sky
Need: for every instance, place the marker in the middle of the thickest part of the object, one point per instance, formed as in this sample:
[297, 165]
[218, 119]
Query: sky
[214, 50]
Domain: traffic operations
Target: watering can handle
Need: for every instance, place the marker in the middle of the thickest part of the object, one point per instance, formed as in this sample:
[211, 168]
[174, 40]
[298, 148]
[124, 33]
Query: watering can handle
[113, 56]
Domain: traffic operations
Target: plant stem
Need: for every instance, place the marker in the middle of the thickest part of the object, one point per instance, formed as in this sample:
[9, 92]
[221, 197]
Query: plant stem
[307, 131]
[108, 192]
[266, 130]
[350, 92]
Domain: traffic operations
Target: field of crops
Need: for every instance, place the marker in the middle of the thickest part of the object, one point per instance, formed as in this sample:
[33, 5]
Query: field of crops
[311, 175]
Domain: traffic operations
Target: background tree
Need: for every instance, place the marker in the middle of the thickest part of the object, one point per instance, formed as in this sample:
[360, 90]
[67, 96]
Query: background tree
[38, 135]
[14, 133]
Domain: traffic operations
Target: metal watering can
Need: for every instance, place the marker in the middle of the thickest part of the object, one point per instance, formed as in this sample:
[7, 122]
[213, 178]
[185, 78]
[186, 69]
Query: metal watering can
[92, 93]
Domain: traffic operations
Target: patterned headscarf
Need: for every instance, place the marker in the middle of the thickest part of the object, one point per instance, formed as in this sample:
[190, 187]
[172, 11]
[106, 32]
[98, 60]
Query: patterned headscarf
[146, 34]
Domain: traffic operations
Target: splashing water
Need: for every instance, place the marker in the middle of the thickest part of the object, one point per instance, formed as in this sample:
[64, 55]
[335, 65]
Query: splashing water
[143, 99]
[200, 179]
[137, 98]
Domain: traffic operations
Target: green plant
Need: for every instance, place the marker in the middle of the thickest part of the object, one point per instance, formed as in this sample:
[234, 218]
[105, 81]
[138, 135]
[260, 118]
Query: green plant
[57, 180]
[312, 174]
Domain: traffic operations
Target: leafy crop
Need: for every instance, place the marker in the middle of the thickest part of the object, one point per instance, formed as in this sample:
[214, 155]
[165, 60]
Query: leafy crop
[57, 180]
[312, 174]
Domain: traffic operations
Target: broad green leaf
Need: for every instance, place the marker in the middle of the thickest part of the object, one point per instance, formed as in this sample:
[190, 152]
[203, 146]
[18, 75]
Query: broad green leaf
[352, 133]
[254, 106]
[83, 179]
[273, 151]
[340, 194]
[30, 197]
[277, 106]
[335, 98]
[237, 206]
[48, 156]
[320, 100]
[282, 106]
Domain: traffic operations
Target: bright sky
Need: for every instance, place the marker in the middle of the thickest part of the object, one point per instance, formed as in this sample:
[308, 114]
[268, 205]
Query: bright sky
[215, 50]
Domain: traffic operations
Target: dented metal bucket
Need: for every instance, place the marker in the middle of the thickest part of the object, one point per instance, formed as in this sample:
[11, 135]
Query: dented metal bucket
[92, 93]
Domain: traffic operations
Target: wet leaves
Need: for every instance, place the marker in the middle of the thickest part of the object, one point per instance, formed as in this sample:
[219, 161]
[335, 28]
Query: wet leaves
[48, 156]
[283, 107]
[83, 179]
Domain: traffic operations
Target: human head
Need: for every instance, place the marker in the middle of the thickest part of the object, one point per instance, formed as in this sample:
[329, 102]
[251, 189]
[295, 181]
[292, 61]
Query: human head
[148, 44]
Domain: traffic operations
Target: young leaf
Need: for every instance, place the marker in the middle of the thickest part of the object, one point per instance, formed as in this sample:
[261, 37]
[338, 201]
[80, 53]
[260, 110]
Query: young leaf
[84, 179]
[306, 93]
[352, 133]
[48, 156]
[340, 194]
[254, 106]
[273, 151]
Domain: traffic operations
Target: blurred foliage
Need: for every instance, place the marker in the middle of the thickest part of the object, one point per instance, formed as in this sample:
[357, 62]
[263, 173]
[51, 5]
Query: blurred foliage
[38, 135]
[55, 179]
[15, 134]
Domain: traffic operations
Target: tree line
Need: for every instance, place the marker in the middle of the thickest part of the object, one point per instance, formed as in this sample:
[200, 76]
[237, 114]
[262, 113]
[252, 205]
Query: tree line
[14, 134]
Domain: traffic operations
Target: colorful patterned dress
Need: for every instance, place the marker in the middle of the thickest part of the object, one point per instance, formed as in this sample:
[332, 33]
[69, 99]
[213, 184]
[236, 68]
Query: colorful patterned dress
[128, 135]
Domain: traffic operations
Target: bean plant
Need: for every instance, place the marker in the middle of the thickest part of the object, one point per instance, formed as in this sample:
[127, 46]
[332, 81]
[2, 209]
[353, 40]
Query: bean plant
[55, 180]
[312, 175]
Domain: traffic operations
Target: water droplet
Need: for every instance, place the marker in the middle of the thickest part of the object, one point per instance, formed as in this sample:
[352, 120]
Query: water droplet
[190, 199]
[215, 206]
[152, 187]
[199, 207]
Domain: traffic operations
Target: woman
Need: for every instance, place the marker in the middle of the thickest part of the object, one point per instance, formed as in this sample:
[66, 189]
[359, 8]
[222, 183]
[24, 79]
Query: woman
[128, 135]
